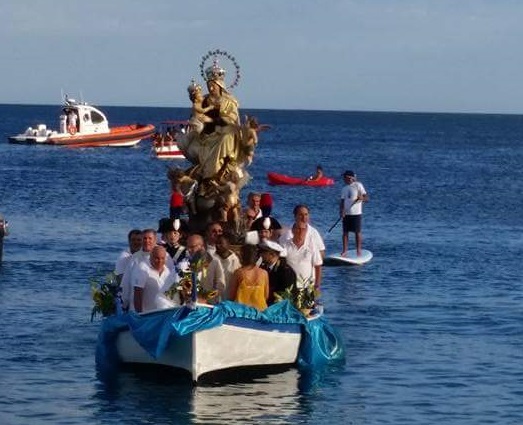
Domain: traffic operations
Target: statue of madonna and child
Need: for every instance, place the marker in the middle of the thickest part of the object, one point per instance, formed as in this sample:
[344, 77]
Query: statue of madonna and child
[220, 147]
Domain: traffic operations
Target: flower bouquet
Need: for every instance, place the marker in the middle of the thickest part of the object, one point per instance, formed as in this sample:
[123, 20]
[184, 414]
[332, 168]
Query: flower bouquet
[197, 266]
[302, 295]
[105, 291]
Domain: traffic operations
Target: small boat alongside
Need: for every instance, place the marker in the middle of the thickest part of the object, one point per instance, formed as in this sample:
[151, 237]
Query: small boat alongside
[83, 125]
[165, 141]
[207, 339]
[283, 179]
[168, 151]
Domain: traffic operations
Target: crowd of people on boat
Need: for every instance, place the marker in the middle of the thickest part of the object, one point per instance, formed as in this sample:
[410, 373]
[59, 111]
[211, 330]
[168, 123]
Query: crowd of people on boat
[243, 255]
[168, 136]
[272, 259]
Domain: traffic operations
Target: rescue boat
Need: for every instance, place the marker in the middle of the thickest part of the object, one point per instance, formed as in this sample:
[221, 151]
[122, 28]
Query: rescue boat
[83, 125]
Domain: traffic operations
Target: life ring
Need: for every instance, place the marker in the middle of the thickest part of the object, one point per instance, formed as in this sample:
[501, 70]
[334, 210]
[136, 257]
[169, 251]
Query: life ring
[72, 130]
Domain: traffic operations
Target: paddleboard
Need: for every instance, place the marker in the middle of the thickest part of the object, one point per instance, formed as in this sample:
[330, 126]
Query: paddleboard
[350, 258]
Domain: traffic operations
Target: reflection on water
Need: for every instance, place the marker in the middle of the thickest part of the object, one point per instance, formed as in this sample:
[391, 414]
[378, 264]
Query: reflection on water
[237, 396]
[258, 400]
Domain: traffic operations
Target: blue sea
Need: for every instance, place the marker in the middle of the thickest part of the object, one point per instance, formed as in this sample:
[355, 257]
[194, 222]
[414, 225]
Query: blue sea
[432, 326]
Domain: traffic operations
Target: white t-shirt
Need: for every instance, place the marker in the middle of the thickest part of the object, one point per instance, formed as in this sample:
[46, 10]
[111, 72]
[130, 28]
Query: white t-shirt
[349, 193]
[312, 238]
[229, 265]
[302, 260]
[153, 284]
[122, 262]
[139, 257]
[137, 260]
[211, 249]
[315, 237]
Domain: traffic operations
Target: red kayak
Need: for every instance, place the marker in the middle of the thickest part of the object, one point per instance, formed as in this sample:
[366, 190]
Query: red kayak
[280, 179]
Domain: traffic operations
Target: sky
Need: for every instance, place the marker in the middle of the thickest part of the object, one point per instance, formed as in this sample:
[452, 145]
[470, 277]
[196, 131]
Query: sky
[351, 55]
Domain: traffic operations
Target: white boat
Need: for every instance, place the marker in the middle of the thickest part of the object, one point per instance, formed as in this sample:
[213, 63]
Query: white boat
[165, 145]
[202, 341]
[83, 125]
[168, 151]
[198, 338]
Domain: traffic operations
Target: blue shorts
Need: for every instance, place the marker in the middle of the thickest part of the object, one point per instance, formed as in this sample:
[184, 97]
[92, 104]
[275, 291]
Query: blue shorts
[352, 223]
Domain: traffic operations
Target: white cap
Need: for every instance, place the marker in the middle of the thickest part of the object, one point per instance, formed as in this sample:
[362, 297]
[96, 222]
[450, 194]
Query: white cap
[273, 246]
[252, 238]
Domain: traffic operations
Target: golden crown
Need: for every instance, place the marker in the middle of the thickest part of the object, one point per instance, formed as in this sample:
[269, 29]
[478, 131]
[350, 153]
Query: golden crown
[193, 87]
[214, 72]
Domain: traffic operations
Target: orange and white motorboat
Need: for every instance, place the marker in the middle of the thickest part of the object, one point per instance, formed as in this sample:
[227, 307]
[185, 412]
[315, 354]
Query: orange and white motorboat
[83, 125]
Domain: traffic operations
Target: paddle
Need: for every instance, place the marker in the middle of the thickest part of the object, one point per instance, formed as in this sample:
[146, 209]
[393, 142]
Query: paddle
[334, 225]
[339, 218]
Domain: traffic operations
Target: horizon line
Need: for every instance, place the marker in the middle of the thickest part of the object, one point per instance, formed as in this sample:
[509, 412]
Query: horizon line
[287, 109]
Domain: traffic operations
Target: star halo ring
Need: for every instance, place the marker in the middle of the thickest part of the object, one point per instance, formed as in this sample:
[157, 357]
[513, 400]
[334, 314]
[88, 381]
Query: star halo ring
[213, 56]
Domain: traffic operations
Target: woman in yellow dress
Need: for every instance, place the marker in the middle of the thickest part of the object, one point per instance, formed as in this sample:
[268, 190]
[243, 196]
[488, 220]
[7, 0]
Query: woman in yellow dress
[250, 283]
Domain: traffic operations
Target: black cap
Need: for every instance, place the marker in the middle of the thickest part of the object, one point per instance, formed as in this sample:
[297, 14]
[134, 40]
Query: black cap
[349, 173]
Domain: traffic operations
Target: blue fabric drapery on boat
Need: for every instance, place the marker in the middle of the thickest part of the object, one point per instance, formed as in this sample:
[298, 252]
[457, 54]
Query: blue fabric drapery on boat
[320, 343]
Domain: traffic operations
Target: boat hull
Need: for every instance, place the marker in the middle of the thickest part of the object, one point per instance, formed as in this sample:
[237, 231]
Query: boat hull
[168, 152]
[282, 179]
[123, 136]
[28, 140]
[223, 347]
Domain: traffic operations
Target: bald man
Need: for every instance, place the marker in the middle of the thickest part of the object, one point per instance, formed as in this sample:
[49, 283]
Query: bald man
[152, 280]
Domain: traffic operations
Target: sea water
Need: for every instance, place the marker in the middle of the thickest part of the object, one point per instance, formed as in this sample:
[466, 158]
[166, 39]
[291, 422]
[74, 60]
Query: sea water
[432, 326]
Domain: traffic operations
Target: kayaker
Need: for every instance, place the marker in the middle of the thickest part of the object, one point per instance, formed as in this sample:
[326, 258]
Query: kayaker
[317, 175]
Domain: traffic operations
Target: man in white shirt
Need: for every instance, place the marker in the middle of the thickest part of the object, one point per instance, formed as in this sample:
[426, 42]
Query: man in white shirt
[229, 261]
[312, 236]
[353, 195]
[134, 239]
[304, 258]
[138, 259]
[151, 281]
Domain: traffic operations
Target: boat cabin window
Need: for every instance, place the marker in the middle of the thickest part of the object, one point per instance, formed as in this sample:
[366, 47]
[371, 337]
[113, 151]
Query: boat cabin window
[96, 117]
